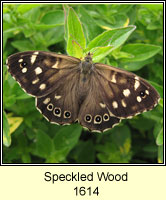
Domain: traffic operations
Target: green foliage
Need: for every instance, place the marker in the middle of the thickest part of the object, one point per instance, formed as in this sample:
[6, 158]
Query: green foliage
[128, 36]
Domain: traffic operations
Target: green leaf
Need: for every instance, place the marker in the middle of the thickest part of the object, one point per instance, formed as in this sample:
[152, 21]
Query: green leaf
[161, 102]
[50, 38]
[101, 52]
[108, 41]
[134, 66]
[153, 7]
[14, 122]
[117, 54]
[116, 148]
[76, 39]
[118, 21]
[5, 74]
[159, 140]
[26, 158]
[160, 154]
[121, 137]
[81, 152]
[53, 18]
[65, 139]
[150, 149]
[158, 87]
[26, 7]
[90, 31]
[43, 27]
[6, 131]
[44, 144]
[141, 123]
[23, 45]
[140, 52]
[19, 93]
[114, 37]
[14, 30]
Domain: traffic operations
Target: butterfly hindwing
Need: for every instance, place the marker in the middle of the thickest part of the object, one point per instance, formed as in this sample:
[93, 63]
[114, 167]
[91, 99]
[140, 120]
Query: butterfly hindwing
[94, 113]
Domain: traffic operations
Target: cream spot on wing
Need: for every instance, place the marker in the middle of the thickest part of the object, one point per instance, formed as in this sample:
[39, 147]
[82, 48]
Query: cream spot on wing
[57, 96]
[123, 103]
[20, 60]
[126, 92]
[33, 58]
[38, 70]
[24, 70]
[42, 86]
[110, 113]
[56, 64]
[136, 78]
[115, 104]
[147, 92]
[137, 84]
[46, 101]
[36, 53]
[139, 99]
[113, 79]
[102, 105]
[35, 81]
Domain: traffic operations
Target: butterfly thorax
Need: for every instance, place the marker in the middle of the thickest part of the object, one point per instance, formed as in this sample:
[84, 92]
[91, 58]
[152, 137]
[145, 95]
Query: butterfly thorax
[86, 66]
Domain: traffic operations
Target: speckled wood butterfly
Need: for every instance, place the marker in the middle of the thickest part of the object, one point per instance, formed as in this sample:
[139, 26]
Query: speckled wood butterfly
[68, 89]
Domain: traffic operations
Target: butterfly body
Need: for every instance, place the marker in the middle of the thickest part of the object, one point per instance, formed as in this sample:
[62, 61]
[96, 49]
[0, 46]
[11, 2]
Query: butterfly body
[68, 89]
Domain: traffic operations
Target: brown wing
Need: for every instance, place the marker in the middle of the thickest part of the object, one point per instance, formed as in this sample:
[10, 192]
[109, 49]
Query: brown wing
[61, 105]
[38, 72]
[125, 94]
[93, 113]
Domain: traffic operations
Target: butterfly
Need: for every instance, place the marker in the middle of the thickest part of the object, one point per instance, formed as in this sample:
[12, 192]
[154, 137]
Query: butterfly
[69, 90]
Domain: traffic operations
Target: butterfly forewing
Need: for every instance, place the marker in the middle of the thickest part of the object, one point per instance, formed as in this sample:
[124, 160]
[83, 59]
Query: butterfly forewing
[39, 73]
[128, 94]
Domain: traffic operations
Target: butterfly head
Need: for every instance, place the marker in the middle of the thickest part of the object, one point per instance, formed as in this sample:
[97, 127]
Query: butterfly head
[88, 58]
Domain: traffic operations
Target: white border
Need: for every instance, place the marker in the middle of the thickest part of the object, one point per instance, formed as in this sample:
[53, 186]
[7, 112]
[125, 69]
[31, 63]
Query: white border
[71, 2]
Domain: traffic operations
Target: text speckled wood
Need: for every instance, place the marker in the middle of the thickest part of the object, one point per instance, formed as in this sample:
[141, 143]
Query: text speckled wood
[68, 89]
